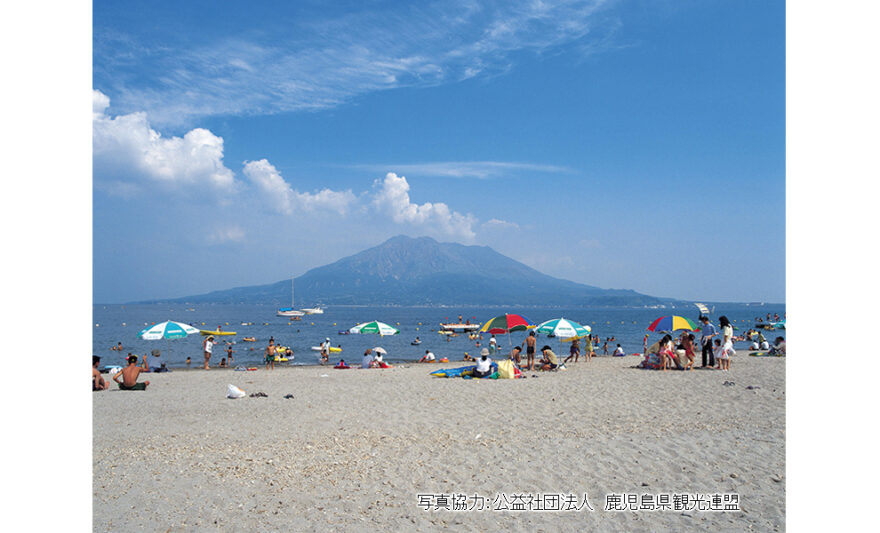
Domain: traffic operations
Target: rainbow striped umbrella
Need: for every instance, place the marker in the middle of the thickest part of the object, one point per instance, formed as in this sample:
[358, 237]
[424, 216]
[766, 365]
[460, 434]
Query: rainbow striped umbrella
[506, 323]
[672, 323]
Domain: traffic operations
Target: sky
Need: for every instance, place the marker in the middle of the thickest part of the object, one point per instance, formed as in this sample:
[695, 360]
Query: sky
[623, 144]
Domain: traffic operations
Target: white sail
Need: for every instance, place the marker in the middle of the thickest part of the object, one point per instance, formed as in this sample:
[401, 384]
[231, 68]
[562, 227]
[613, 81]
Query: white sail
[290, 311]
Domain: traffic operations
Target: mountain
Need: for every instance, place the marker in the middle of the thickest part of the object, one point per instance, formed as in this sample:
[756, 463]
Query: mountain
[422, 271]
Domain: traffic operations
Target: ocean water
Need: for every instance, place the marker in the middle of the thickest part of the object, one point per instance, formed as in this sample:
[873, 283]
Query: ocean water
[121, 323]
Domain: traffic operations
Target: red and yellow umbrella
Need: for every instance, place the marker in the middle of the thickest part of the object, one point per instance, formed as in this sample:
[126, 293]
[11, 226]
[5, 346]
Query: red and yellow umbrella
[506, 323]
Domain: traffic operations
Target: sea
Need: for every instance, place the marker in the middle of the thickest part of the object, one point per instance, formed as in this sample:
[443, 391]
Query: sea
[122, 323]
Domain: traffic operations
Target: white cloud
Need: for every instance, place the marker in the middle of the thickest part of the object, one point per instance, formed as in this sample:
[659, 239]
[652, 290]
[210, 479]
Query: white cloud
[228, 234]
[126, 151]
[467, 169]
[494, 223]
[285, 200]
[392, 197]
[321, 62]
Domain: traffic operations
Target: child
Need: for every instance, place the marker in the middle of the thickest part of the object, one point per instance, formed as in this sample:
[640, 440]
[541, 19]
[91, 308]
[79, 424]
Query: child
[574, 351]
[223, 363]
[188, 361]
[619, 352]
[719, 353]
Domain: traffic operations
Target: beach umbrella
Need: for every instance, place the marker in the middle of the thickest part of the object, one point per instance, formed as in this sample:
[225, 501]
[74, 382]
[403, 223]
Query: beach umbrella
[379, 349]
[563, 329]
[672, 323]
[506, 323]
[167, 330]
[374, 327]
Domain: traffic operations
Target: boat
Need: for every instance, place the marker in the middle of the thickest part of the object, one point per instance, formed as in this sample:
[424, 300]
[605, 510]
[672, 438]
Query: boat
[313, 310]
[290, 312]
[460, 328]
[207, 332]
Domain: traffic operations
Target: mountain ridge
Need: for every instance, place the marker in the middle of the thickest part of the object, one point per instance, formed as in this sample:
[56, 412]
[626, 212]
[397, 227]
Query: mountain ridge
[421, 271]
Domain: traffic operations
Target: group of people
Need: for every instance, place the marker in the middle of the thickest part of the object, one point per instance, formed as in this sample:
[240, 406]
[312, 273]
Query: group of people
[128, 375]
[716, 348]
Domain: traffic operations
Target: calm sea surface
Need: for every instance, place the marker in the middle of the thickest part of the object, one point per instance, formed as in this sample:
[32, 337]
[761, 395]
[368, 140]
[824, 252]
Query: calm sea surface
[121, 323]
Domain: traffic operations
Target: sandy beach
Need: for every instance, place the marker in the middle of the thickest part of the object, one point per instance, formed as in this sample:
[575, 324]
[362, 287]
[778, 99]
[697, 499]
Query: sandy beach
[354, 449]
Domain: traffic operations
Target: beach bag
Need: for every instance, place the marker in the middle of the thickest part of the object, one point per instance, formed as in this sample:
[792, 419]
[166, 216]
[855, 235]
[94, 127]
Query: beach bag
[234, 392]
[506, 369]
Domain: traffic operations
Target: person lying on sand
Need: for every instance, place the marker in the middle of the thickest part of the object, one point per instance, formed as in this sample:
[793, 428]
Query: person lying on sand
[98, 382]
[130, 375]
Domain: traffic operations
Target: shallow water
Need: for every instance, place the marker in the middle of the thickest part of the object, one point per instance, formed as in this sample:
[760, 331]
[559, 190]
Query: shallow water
[121, 323]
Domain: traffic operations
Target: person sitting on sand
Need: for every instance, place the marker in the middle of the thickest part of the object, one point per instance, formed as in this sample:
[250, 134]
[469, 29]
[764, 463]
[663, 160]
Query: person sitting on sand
[778, 346]
[98, 382]
[484, 365]
[368, 358]
[618, 352]
[341, 364]
[664, 350]
[428, 357]
[574, 351]
[130, 375]
[223, 362]
[154, 363]
[549, 361]
[515, 354]
[467, 357]
[378, 362]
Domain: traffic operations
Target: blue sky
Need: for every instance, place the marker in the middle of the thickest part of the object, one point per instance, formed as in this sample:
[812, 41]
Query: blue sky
[622, 144]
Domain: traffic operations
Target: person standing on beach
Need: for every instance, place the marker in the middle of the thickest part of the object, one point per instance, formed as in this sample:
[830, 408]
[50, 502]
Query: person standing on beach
[726, 342]
[574, 351]
[270, 355]
[530, 342]
[588, 348]
[707, 331]
[208, 347]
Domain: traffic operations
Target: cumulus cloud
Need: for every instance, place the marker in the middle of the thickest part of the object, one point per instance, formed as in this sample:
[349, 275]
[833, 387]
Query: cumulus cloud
[126, 150]
[284, 199]
[392, 197]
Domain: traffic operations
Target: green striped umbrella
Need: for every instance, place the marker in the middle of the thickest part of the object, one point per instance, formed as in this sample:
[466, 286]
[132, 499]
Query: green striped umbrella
[374, 327]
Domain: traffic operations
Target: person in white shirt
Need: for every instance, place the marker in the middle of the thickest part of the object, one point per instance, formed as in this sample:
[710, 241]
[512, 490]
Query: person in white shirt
[208, 347]
[619, 351]
[484, 364]
[428, 357]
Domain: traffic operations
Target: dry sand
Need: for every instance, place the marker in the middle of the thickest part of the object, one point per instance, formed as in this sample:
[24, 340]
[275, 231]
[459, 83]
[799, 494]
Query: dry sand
[354, 448]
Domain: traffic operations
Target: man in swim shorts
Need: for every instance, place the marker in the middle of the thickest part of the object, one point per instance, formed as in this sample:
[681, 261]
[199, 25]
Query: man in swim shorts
[530, 343]
[98, 382]
[130, 375]
[270, 355]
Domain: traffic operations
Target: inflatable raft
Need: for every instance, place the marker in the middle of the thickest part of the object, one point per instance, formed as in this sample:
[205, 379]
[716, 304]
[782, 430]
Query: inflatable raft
[207, 332]
[333, 349]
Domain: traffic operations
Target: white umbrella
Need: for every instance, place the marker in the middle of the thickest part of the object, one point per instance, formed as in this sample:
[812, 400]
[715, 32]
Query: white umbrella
[379, 349]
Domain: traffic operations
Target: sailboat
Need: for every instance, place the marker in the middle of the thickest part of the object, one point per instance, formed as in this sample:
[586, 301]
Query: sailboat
[290, 312]
[313, 310]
